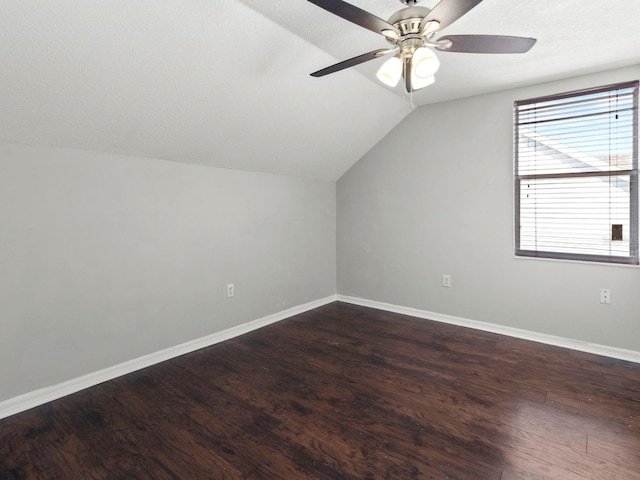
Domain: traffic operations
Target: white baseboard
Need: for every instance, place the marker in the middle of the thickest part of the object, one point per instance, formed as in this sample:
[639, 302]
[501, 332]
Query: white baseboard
[572, 344]
[48, 394]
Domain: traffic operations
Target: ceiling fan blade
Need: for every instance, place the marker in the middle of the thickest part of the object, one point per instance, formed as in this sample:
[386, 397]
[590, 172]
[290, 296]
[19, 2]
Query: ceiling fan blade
[485, 44]
[359, 17]
[352, 62]
[448, 11]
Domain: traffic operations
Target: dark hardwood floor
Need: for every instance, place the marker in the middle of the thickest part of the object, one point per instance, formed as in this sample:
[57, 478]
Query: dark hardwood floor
[344, 392]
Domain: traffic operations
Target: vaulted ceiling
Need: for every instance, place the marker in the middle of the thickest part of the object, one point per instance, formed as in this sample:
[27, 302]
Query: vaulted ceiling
[226, 83]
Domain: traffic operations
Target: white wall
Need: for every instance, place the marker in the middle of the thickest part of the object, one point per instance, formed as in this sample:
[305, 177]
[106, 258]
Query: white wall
[105, 258]
[436, 197]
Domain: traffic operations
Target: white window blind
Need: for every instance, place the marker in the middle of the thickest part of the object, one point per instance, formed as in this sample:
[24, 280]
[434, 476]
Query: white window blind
[576, 175]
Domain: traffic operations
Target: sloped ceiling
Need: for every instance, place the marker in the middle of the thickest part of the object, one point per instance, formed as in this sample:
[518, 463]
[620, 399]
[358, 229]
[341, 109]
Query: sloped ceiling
[208, 82]
[226, 83]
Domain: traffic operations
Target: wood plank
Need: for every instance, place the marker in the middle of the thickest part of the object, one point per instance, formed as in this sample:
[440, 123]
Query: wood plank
[619, 447]
[14, 456]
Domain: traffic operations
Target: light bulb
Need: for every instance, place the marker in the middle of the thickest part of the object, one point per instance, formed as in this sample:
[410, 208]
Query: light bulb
[390, 72]
[424, 63]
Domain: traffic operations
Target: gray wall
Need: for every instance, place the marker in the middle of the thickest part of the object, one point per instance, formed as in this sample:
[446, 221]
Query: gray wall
[104, 258]
[436, 197]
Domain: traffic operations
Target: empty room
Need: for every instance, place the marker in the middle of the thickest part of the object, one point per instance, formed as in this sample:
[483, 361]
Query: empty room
[319, 239]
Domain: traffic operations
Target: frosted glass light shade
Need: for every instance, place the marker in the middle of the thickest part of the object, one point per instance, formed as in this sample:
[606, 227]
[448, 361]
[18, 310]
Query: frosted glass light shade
[390, 72]
[420, 82]
[424, 63]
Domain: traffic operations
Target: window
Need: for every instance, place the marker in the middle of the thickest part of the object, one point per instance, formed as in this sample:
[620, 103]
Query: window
[576, 175]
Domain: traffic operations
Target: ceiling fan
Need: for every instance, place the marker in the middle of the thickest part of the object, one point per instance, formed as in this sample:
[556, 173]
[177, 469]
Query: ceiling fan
[410, 31]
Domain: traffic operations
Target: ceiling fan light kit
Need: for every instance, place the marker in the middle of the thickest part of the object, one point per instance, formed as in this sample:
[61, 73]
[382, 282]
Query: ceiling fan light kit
[410, 31]
[424, 62]
[390, 72]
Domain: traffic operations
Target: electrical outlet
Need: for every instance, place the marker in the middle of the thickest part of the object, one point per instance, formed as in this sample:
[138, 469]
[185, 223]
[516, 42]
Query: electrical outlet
[446, 280]
[605, 295]
[231, 291]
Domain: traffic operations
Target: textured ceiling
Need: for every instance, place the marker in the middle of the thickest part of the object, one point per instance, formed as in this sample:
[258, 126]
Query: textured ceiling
[227, 83]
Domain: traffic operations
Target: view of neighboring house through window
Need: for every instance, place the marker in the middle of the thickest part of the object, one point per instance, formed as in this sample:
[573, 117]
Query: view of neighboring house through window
[576, 175]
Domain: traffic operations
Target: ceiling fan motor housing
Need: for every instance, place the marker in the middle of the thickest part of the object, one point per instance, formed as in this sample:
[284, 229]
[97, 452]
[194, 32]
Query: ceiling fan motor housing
[407, 20]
